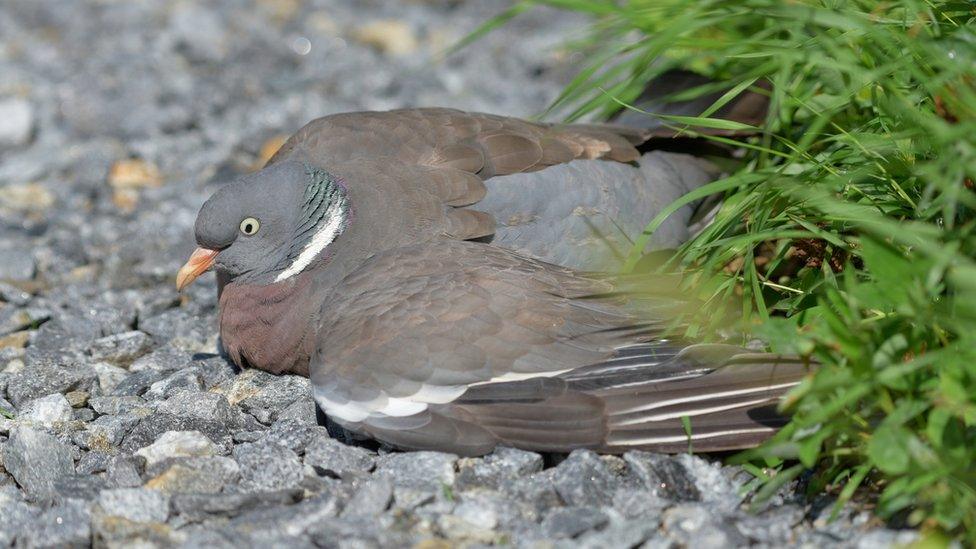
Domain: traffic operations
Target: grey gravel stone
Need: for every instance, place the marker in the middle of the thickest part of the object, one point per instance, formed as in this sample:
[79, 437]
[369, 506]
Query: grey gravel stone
[504, 465]
[82, 415]
[460, 531]
[636, 502]
[121, 348]
[46, 411]
[537, 493]
[361, 532]
[15, 319]
[77, 323]
[208, 413]
[105, 433]
[267, 467]
[93, 462]
[18, 261]
[584, 479]
[163, 359]
[371, 499]
[78, 487]
[478, 513]
[134, 504]
[275, 397]
[569, 522]
[65, 332]
[291, 524]
[110, 376]
[186, 379]
[177, 444]
[114, 531]
[124, 471]
[429, 471]
[663, 475]
[183, 329]
[16, 122]
[632, 533]
[46, 373]
[136, 384]
[883, 538]
[292, 434]
[67, 524]
[302, 410]
[331, 457]
[199, 507]
[14, 295]
[214, 370]
[116, 405]
[36, 460]
[773, 527]
[7, 407]
[204, 406]
[16, 515]
[698, 526]
[719, 485]
[195, 475]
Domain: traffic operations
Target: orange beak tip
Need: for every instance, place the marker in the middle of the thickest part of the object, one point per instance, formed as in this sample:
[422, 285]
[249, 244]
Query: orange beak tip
[199, 262]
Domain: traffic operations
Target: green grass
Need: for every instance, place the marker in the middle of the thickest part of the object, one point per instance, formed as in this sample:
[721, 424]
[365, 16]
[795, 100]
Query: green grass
[847, 231]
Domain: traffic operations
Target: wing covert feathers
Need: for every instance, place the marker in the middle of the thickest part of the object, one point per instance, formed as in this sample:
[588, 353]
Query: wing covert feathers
[462, 346]
[482, 144]
[446, 154]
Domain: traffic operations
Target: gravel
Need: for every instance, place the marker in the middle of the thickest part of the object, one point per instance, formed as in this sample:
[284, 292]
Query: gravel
[119, 423]
[173, 444]
[134, 504]
[16, 121]
[46, 411]
[36, 460]
[121, 348]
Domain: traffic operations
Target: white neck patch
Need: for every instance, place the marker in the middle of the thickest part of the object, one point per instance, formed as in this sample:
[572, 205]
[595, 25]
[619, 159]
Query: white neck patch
[335, 220]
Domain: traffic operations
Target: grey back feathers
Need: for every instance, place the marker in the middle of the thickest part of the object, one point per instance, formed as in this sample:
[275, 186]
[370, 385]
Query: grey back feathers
[586, 213]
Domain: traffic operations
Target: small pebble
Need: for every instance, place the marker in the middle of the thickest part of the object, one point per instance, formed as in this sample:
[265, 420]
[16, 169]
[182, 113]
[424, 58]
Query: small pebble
[16, 122]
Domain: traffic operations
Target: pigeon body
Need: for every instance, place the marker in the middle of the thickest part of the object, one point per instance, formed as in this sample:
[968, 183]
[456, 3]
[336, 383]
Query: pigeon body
[352, 258]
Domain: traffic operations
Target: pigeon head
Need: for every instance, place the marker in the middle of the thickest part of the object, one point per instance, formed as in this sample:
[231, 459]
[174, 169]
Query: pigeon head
[268, 226]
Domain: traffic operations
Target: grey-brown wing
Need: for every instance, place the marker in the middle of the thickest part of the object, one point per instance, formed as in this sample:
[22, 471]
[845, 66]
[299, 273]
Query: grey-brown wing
[459, 346]
[450, 313]
[419, 166]
[417, 326]
[476, 143]
[546, 187]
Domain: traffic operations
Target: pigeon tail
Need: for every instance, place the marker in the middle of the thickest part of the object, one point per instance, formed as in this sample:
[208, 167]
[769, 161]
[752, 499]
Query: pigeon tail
[705, 398]
[657, 397]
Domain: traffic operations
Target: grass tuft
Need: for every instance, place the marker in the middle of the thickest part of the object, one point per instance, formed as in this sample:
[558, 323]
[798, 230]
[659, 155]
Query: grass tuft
[847, 227]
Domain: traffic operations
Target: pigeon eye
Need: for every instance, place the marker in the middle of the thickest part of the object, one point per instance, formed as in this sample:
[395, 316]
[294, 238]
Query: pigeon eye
[250, 226]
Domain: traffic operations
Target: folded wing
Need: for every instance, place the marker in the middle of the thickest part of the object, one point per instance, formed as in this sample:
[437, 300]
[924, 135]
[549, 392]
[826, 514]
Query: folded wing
[460, 346]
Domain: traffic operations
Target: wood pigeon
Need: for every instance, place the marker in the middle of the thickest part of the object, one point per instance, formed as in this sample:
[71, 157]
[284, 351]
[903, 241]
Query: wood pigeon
[434, 273]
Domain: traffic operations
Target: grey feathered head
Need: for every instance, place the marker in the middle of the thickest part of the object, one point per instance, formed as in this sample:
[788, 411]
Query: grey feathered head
[268, 226]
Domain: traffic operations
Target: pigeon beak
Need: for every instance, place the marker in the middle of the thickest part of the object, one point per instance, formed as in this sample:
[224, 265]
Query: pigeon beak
[200, 260]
